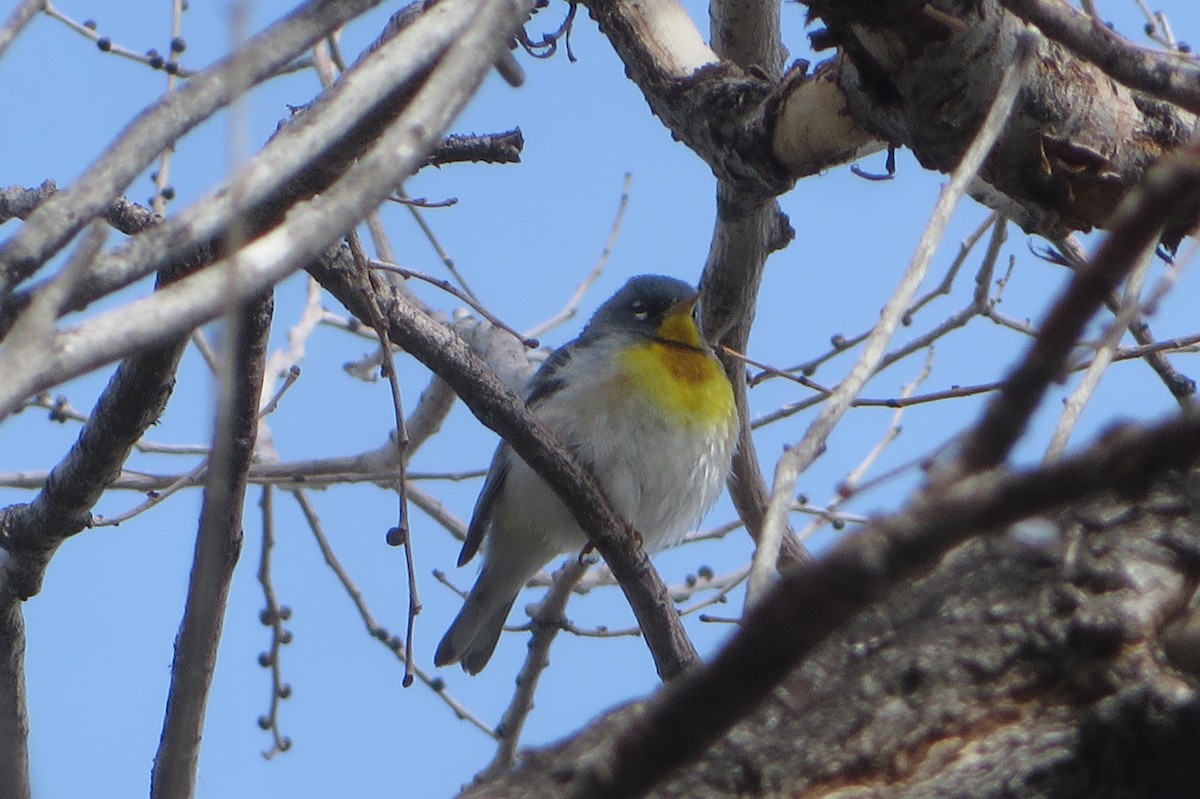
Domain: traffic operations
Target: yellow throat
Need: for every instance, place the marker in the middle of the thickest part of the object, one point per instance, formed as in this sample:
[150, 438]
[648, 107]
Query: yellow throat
[679, 373]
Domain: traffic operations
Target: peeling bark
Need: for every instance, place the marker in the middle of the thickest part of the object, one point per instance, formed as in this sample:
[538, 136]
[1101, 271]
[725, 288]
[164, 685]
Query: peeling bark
[909, 73]
[923, 75]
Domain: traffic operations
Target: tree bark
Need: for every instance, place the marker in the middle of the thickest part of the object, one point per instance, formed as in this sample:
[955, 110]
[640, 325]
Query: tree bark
[1058, 659]
[923, 74]
[912, 73]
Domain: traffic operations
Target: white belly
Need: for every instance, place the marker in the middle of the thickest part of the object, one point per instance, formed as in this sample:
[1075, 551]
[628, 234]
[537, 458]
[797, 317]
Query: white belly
[661, 478]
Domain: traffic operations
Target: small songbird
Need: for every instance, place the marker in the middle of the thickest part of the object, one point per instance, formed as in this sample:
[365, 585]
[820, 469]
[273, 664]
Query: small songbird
[641, 400]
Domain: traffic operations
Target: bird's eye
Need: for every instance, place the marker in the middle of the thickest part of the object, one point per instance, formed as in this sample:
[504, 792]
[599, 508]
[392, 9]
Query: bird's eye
[639, 310]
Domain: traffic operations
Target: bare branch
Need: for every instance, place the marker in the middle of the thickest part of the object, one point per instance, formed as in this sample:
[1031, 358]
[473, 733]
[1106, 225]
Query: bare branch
[218, 544]
[1139, 221]
[376, 630]
[273, 616]
[1172, 77]
[494, 148]
[572, 305]
[1182, 387]
[1127, 314]
[799, 457]
[312, 227]
[20, 17]
[14, 714]
[814, 600]
[923, 74]
[56, 221]
[89, 30]
[547, 619]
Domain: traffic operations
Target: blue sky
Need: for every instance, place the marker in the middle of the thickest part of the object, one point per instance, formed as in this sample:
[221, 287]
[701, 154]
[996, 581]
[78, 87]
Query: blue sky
[101, 632]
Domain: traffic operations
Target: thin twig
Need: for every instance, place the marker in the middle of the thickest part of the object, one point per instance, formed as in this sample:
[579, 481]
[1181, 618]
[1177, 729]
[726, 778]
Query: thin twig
[799, 457]
[841, 344]
[193, 478]
[151, 58]
[1137, 222]
[451, 289]
[572, 307]
[724, 586]
[853, 484]
[1126, 315]
[1182, 387]
[374, 628]
[293, 374]
[400, 534]
[1157, 26]
[273, 616]
[993, 220]
[546, 621]
[445, 258]
[437, 511]
[163, 192]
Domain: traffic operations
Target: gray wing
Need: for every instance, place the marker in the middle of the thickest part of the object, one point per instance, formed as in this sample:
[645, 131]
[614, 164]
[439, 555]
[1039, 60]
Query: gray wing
[481, 517]
[545, 381]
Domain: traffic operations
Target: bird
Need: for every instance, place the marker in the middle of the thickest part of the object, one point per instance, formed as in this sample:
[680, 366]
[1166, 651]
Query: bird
[642, 400]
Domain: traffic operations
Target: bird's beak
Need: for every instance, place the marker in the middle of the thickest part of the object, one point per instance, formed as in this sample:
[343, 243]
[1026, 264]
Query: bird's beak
[684, 307]
[679, 326]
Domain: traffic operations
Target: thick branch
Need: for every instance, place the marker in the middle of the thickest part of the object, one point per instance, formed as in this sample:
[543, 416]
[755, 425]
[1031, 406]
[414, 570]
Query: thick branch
[748, 229]
[913, 73]
[57, 221]
[1171, 77]
[747, 33]
[14, 713]
[746, 233]
[483, 29]
[719, 110]
[1172, 183]
[133, 400]
[628, 753]
[923, 74]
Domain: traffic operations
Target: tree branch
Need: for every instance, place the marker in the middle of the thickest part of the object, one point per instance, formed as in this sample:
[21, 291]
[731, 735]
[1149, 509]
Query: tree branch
[482, 31]
[923, 74]
[1169, 76]
[1172, 183]
[809, 448]
[913, 73]
[14, 714]
[55, 222]
[218, 545]
[308, 153]
[546, 622]
[20, 17]
[748, 229]
[627, 753]
[30, 534]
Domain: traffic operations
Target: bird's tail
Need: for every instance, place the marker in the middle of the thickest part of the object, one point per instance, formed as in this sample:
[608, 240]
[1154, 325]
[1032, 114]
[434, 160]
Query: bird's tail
[472, 636]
